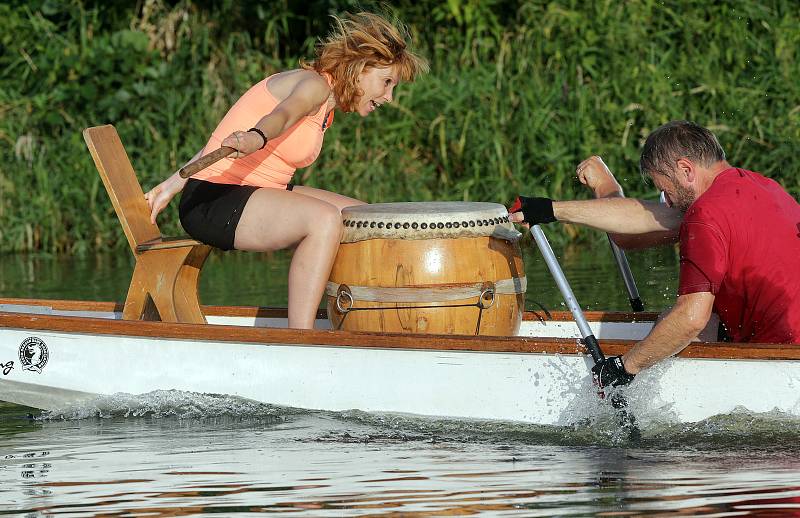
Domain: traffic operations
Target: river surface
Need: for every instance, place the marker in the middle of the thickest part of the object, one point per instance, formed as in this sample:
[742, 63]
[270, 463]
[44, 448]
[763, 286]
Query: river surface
[171, 453]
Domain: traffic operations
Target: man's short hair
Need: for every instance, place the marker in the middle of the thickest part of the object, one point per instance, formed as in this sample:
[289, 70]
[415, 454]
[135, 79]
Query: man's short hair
[675, 140]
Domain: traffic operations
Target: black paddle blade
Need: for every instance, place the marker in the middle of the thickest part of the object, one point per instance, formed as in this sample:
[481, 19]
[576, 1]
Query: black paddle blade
[625, 418]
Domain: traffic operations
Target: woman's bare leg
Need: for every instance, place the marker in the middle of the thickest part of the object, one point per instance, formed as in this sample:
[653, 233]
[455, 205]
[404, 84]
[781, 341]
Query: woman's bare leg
[339, 200]
[275, 219]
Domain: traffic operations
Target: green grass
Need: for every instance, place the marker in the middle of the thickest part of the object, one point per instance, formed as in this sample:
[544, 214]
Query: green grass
[519, 92]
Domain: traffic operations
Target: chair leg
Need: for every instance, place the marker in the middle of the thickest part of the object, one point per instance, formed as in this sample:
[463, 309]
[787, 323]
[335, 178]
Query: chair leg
[139, 303]
[185, 293]
[166, 279]
[137, 299]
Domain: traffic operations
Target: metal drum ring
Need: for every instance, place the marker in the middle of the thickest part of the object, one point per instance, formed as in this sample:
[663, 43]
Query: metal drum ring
[344, 292]
[487, 292]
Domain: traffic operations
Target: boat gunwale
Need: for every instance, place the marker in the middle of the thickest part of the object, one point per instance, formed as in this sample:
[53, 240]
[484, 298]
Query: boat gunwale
[280, 312]
[358, 339]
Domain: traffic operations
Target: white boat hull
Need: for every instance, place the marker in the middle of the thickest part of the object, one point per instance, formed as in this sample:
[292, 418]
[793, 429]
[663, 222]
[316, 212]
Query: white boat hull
[532, 387]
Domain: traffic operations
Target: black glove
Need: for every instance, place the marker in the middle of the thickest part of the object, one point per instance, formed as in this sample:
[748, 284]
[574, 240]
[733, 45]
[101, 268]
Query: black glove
[534, 210]
[611, 372]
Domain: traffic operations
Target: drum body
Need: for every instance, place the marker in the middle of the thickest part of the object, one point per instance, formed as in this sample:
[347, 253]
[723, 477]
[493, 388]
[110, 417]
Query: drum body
[428, 267]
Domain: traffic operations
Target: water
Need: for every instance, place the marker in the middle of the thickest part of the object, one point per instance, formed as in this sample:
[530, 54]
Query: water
[238, 278]
[172, 453]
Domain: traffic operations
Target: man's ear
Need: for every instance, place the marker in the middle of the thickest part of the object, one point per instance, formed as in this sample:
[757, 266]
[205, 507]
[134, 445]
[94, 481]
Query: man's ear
[686, 169]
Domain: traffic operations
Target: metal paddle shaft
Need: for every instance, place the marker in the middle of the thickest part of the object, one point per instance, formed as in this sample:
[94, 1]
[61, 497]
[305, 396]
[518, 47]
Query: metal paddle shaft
[566, 292]
[205, 161]
[627, 276]
[627, 420]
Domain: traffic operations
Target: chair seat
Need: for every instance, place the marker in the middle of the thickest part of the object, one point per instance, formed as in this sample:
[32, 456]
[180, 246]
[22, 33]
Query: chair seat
[163, 242]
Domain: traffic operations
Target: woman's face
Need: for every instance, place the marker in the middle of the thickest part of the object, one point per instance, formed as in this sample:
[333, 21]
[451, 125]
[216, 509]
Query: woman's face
[378, 87]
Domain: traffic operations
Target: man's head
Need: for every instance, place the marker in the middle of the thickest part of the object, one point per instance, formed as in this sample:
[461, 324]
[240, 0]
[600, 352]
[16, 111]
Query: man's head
[681, 158]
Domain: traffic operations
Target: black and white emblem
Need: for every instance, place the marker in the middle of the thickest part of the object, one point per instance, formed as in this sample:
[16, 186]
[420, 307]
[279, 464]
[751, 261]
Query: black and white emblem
[33, 354]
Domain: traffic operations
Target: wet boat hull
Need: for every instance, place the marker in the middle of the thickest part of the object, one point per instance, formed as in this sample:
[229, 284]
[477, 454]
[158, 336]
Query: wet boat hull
[532, 379]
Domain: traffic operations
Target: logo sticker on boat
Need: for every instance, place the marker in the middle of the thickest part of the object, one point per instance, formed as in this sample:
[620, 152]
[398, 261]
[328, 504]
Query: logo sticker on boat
[33, 354]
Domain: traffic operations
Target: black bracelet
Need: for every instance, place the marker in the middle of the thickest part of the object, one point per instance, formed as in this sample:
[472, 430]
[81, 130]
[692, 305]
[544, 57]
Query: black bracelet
[262, 136]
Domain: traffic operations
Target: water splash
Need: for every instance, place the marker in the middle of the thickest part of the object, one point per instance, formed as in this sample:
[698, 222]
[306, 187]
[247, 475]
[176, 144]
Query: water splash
[599, 425]
[167, 403]
[741, 430]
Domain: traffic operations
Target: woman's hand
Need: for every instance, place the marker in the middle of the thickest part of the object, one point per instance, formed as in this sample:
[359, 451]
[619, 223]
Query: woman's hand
[594, 174]
[245, 142]
[159, 196]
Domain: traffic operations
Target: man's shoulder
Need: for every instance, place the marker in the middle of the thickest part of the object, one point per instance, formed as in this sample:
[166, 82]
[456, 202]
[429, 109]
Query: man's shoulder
[728, 186]
[717, 201]
[735, 195]
[733, 177]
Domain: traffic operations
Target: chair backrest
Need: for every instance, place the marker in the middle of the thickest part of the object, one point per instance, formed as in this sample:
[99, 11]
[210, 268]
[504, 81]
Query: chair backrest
[120, 180]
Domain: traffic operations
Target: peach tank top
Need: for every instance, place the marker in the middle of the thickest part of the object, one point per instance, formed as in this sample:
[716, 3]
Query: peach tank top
[274, 165]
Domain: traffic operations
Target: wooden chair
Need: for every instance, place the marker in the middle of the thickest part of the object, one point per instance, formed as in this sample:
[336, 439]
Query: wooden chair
[164, 282]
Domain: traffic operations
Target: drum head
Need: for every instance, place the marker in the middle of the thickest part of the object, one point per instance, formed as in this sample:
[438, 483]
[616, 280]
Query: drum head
[426, 220]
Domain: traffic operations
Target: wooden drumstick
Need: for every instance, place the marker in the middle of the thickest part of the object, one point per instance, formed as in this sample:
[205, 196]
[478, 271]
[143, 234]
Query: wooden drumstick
[205, 161]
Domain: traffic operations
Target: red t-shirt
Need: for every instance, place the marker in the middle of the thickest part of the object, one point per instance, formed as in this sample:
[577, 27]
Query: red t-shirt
[740, 240]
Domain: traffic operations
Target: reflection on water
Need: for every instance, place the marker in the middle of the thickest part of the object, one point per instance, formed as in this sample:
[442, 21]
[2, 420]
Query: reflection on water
[178, 454]
[239, 278]
[234, 278]
[267, 459]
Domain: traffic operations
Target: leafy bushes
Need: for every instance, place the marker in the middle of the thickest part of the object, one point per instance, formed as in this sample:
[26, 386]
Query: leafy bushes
[519, 92]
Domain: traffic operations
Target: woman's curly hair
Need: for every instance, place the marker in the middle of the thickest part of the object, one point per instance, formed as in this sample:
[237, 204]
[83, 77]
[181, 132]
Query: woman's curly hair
[359, 41]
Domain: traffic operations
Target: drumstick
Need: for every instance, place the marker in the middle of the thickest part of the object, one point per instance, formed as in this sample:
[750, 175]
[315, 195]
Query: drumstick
[205, 161]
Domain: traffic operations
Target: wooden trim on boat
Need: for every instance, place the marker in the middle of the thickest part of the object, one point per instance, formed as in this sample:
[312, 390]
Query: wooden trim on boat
[279, 336]
[274, 312]
[66, 305]
[110, 307]
[253, 311]
[592, 316]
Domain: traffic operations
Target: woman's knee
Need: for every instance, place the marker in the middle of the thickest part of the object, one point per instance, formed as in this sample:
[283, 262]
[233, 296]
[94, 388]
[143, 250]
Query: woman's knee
[327, 220]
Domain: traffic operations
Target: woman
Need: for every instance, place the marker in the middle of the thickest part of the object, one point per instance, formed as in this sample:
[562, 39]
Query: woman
[246, 201]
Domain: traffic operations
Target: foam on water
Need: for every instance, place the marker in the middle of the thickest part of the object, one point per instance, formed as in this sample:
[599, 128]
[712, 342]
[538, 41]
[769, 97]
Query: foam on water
[599, 426]
[741, 430]
[167, 403]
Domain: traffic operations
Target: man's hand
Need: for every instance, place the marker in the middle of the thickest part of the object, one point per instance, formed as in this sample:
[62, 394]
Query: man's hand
[533, 211]
[594, 174]
[611, 372]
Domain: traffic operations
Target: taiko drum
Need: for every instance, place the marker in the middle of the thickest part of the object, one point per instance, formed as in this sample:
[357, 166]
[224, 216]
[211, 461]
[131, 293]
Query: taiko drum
[428, 267]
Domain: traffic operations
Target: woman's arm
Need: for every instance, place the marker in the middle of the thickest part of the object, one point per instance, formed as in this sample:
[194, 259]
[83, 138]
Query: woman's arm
[159, 196]
[308, 94]
[305, 98]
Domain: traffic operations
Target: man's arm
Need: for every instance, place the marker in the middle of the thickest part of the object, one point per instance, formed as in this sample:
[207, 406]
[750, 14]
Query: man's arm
[673, 333]
[619, 215]
[596, 175]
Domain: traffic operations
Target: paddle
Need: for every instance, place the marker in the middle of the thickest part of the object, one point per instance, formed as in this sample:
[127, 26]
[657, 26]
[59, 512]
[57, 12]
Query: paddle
[566, 291]
[627, 276]
[205, 161]
[625, 270]
[617, 400]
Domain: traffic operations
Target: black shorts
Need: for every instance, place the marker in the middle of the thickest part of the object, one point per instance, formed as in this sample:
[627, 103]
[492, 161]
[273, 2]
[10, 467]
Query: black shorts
[210, 211]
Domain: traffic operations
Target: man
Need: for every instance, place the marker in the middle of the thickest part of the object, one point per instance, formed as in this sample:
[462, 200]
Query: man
[739, 236]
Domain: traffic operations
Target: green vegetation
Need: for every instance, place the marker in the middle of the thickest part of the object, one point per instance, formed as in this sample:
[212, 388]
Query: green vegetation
[519, 92]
